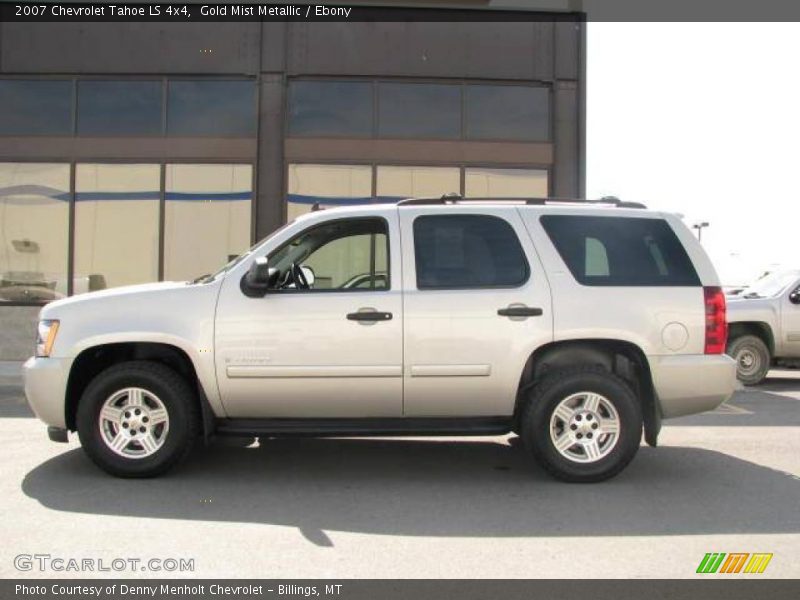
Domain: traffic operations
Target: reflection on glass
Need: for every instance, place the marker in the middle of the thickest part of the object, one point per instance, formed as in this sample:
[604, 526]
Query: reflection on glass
[31, 107]
[116, 225]
[212, 108]
[119, 107]
[419, 110]
[330, 108]
[34, 216]
[327, 185]
[395, 183]
[507, 112]
[505, 183]
[207, 217]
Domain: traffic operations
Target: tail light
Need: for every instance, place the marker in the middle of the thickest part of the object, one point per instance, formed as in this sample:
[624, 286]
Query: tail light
[716, 321]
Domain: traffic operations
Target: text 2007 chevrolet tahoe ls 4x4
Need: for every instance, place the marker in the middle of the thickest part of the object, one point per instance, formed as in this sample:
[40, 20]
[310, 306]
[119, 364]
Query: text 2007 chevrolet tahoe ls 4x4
[575, 325]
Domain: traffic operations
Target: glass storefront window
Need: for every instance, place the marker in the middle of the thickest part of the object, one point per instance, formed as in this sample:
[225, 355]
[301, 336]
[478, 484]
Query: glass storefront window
[211, 108]
[419, 110]
[35, 107]
[507, 112]
[116, 225]
[119, 107]
[207, 220]
[395, 183]
[327, 185]
[505, 183]
[330, 108]
[34, 213]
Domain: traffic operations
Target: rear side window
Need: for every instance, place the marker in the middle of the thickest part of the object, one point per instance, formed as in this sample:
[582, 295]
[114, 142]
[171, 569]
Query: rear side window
[620, 251]
[467, 251]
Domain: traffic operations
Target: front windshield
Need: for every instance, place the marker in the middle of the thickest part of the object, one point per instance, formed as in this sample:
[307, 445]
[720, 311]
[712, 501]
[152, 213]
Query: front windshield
[771, 285]
[241, 257]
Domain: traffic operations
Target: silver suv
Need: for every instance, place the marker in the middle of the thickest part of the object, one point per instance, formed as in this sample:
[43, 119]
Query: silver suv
[575, 325]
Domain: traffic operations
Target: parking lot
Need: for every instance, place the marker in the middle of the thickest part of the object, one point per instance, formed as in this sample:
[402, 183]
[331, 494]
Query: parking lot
[727, 481]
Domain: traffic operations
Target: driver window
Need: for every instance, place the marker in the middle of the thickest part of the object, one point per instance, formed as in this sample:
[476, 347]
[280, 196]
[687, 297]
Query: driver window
[348, 254]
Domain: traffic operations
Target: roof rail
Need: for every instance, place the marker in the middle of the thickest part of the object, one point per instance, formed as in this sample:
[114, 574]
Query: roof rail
[453, 198]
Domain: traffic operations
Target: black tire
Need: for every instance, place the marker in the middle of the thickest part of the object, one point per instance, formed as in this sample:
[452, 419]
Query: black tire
[545, 397]
[752, 358]
[171, 389]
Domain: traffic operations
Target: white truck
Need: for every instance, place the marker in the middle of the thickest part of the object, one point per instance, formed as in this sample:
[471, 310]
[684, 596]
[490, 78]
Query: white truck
[576, 325]
[764, 326]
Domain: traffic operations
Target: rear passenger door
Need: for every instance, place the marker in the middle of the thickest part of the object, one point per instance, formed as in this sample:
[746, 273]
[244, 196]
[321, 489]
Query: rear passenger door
[475, 302]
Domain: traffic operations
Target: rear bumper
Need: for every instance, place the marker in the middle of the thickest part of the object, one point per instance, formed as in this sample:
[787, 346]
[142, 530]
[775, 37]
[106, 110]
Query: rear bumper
[692, 384]
[45, 382]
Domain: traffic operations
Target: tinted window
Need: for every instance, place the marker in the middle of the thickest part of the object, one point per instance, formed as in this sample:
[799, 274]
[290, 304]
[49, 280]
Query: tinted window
[467, 251]
[507, 112]
[119, 107]
[618, 251]
[411, 110]
[224, 108]
[330, 108]
[35, 107]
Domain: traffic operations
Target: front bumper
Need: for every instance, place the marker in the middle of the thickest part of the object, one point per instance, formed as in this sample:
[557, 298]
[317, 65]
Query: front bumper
[689, 384]
[45, 382]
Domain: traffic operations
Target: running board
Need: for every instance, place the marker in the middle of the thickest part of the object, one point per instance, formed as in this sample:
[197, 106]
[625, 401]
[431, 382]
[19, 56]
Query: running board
[381, 426]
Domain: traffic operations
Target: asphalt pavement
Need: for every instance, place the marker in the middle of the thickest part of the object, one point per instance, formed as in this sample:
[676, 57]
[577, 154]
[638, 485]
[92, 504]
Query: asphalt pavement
[726, 481]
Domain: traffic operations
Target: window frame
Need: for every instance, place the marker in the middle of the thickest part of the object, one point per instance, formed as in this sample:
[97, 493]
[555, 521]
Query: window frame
[585, 281]
[460, 82]
[313, 226]
[526, 262]
[72, 162]
[374, 164]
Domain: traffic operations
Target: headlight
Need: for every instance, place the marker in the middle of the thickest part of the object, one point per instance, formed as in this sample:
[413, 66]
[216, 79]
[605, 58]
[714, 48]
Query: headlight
[45, 336]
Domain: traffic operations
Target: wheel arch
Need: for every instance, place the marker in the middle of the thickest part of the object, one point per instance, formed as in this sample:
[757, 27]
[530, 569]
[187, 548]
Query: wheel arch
[94, 360]
[620, 357]
[760, 329]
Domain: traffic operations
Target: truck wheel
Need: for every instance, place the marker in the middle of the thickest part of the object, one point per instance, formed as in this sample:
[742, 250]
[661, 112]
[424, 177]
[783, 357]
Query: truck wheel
[582, 424]
[752, 358]
[138, 419]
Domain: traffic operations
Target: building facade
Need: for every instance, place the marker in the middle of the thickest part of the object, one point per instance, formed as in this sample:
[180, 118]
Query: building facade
[136, 152]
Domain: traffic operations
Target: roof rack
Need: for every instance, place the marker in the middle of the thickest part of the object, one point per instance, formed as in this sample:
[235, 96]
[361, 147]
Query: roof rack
[454, 198]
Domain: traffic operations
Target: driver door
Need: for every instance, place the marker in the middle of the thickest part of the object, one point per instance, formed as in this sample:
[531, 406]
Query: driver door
[333, 350]
[790, 322]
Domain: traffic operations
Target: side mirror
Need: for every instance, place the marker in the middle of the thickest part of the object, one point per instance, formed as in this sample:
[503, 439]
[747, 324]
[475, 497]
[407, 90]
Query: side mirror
[259, 278]
[794, 297]
[309, 273]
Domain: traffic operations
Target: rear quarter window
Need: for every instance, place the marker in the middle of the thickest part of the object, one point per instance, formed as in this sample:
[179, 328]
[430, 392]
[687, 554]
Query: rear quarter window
[621, 251]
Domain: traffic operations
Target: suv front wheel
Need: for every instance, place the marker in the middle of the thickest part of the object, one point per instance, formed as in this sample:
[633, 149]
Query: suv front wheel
[138, 419]
[582, 424]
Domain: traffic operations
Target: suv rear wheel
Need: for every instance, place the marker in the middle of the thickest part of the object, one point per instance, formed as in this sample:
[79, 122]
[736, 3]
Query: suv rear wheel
[752, 358]
[582, 424]
[138, 419]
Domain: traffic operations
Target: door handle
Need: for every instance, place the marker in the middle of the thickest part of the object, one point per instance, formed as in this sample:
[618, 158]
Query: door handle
[520, 311]
[370, 315]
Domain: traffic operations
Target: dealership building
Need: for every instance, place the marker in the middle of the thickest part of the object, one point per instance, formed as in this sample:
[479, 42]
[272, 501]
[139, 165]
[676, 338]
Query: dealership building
[138, 152]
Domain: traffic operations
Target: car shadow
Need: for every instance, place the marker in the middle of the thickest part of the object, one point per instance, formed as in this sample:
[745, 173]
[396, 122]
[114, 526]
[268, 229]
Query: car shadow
[433, 488]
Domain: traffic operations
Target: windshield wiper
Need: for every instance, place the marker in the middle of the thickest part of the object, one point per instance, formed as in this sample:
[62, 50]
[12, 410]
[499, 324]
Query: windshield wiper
[200, 279]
